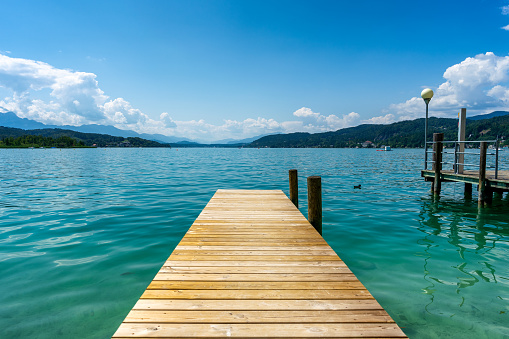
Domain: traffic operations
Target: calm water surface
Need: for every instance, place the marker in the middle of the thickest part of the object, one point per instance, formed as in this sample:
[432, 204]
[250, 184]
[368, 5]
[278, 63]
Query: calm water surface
[83, 232]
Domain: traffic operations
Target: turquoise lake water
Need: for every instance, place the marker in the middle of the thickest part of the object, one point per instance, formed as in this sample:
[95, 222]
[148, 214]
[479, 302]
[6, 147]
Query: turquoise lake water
[83, 232]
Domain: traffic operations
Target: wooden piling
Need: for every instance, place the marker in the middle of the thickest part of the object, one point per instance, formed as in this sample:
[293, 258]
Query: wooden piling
[488, 194]
[462, 122]
[294, 187]
[437, 161]
[498, 194]
[482, 174]
[315, 202]
[468, 189]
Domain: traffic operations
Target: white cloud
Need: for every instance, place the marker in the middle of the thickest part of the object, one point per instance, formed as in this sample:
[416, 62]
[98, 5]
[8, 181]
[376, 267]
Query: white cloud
[121, 112]
[65, 97]
[74, 97]
[385, 119]
[478, 83]
[505, 11]
[308, 121]
[167, 120]
[305, 112]
[500, 93]
[316, 122]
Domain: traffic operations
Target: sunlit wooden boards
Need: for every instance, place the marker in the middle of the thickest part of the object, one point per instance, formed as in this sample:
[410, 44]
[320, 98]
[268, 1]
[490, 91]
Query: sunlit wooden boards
[251, 266]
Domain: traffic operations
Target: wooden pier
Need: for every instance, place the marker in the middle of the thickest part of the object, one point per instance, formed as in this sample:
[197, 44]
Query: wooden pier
[472, 177]
[489, 182]
[251, 266]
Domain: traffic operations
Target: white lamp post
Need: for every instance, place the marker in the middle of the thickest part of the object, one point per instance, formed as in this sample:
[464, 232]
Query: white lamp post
[426, 95]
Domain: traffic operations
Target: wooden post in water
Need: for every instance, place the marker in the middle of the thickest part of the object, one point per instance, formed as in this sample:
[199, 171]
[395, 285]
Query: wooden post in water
[315, 202]
[482, 174]
[437, 161]
[294, 187]
[498, 194]
[461, 137]
[468, 189]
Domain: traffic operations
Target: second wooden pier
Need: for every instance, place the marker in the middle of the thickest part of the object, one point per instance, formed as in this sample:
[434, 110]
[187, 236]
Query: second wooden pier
[489, 182]
[252, 266]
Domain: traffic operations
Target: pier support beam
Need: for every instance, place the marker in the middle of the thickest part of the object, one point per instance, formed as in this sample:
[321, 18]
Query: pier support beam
[315, 202]
[437, 161]
[485, 193]
[468, 190]
[294, 187]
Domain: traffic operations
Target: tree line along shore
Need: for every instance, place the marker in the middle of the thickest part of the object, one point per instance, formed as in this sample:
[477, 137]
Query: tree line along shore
[60, 138]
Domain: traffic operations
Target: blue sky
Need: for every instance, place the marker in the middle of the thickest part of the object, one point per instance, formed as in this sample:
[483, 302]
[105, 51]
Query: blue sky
[211, 70]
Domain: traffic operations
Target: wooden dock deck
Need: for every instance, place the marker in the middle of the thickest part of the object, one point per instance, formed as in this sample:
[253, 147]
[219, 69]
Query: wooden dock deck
[472, 177]
[251, 266]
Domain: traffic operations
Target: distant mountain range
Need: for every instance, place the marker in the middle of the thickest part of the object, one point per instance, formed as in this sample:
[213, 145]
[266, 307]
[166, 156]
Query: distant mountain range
[241, 141]
[10, 119]
[489, 116]
[400, 134]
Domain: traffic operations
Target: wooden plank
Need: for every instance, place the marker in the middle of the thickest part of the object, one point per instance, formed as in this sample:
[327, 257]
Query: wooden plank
[332, 263]
[251, 266]
[256, 248]
[249, 243]
[256, 257]
[233, 223]
[342, 268]
[253, 285]
[259, 330]
[252, 232]
[274, 305]
[251, 240]
[260, 317]
[247, 228]
[258, 252]
[278, 337]
[346, 276]
[257, 294]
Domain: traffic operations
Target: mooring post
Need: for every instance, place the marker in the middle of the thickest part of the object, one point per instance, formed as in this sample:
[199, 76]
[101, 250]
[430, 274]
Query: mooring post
[294, 187]
[482, 174]
[437, 161]
[315, 202]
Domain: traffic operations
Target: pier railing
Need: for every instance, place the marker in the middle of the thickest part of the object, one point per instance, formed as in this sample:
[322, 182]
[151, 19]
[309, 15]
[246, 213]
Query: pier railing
[455, 154]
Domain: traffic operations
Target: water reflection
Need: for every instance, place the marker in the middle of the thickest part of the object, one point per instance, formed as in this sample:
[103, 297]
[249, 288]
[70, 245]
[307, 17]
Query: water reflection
[475, 235]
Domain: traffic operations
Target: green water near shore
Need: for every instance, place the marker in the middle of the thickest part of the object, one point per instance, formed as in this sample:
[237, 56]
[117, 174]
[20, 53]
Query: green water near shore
[83, 231]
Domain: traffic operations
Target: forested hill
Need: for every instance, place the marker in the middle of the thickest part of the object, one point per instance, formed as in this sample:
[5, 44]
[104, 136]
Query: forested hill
[16, 137]
[400, 134]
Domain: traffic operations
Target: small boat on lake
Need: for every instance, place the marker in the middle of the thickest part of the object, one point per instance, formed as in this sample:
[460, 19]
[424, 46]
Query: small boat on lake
[385, 148]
